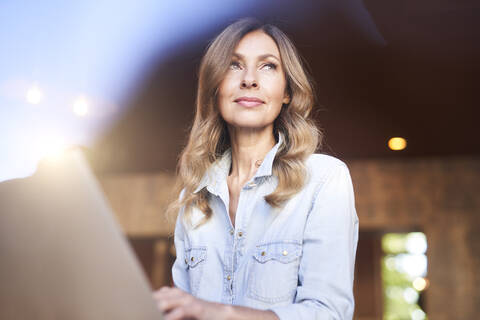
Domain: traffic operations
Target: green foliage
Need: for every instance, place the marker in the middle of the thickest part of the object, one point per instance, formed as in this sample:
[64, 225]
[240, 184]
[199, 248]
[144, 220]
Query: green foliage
[400, 301]
[394, 243]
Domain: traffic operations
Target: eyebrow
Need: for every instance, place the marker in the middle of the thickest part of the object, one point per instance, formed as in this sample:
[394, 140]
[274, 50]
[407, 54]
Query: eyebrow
[260, 57]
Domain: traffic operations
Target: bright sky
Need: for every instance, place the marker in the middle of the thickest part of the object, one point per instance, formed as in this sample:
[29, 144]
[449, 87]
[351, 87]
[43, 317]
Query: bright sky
[67, 66]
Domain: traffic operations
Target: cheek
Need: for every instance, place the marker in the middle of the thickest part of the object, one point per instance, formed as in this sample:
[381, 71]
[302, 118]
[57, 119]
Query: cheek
[274, 111]
[226, 89]
[277, 94]
[229, 83]
[223, 103]
[275, 88]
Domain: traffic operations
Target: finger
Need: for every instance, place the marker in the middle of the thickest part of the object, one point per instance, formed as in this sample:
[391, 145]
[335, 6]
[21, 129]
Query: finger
[161, 290]
[167, 293]
[174, 300]
[164, 293]
[166, 290]
[180, 313]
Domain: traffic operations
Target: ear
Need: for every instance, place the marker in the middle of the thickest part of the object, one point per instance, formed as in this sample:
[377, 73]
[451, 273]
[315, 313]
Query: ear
[286, 98]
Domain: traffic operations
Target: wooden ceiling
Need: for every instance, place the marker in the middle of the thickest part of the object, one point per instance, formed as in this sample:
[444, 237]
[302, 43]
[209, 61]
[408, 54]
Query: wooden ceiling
[382, 69]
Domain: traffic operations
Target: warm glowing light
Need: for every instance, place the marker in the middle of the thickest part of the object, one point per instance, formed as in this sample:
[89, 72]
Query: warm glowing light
[34, 95]
[51, 148]
[420, 283]
[80, 107]
[397, 143]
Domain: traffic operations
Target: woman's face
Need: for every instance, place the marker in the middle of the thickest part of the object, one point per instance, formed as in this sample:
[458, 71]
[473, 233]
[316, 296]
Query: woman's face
[254, 88]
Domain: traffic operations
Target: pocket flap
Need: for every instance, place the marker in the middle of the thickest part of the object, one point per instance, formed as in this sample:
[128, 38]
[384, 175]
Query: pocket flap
[282, 251]
[195, 255]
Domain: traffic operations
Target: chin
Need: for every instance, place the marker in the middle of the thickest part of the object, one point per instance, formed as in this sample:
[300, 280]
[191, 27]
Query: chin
[249, 125]
[249, 121]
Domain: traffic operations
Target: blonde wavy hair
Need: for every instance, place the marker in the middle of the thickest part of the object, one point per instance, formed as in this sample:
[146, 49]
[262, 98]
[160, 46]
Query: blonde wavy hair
[209, 137]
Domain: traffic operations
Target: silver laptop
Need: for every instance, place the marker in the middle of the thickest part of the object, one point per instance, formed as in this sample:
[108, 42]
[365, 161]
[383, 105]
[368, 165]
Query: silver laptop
[62, 253]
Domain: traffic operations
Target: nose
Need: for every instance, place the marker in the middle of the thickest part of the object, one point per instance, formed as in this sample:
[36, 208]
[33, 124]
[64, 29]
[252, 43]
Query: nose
[249, 84]
[249, 80]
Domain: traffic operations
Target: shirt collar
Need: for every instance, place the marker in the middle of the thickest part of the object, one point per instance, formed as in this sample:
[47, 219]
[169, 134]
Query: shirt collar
[220, 169]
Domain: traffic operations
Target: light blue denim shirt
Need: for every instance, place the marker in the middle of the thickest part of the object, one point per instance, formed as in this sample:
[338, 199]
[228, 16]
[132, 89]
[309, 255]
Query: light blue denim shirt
[297, 261]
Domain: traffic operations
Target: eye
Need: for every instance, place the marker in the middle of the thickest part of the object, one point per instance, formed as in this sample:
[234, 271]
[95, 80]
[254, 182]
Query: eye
[270, 66]
[235, 65]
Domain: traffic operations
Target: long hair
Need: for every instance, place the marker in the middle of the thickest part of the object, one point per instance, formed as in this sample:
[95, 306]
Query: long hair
[209, 137]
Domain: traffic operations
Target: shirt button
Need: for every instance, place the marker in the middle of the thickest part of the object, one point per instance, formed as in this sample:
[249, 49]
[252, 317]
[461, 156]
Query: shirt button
[229, 278]
[186, 261]
[284, 252]
[231, 232]
[192, 259]
[240, 233]
[263, 253]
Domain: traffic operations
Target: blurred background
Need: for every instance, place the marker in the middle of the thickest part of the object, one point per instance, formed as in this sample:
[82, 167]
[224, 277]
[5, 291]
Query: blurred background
[397, 86]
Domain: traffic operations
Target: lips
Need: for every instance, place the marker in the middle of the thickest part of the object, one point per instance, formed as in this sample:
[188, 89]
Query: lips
[249, 101]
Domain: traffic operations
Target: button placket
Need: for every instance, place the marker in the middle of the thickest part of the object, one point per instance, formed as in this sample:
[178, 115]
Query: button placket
[230, 282]
[228, 275]
[238, 237]
[240, 242]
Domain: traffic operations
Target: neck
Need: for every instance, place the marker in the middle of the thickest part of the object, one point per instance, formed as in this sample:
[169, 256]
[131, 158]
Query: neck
[249, 148]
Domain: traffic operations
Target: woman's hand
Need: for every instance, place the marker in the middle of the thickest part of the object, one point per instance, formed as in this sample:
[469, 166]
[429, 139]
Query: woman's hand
[179, 305]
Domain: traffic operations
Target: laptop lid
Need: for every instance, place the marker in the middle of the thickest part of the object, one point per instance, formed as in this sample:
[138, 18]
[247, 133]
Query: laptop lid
[62, 253]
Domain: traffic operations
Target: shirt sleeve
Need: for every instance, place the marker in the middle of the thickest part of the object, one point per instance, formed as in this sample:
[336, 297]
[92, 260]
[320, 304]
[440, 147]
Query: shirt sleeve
[179, 268]
[326, 271]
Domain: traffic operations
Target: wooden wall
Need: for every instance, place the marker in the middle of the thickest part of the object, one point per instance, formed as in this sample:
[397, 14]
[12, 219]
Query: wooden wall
[442, 198]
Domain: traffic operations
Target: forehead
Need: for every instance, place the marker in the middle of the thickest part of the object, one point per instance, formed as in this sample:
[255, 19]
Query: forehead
[257, 43]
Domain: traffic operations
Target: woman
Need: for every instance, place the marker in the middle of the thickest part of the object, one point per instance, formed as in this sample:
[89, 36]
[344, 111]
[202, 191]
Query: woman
[266, 229]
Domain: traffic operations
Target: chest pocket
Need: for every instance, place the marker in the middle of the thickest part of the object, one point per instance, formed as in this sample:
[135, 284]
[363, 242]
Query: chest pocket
[195, 259]
[273, 275]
